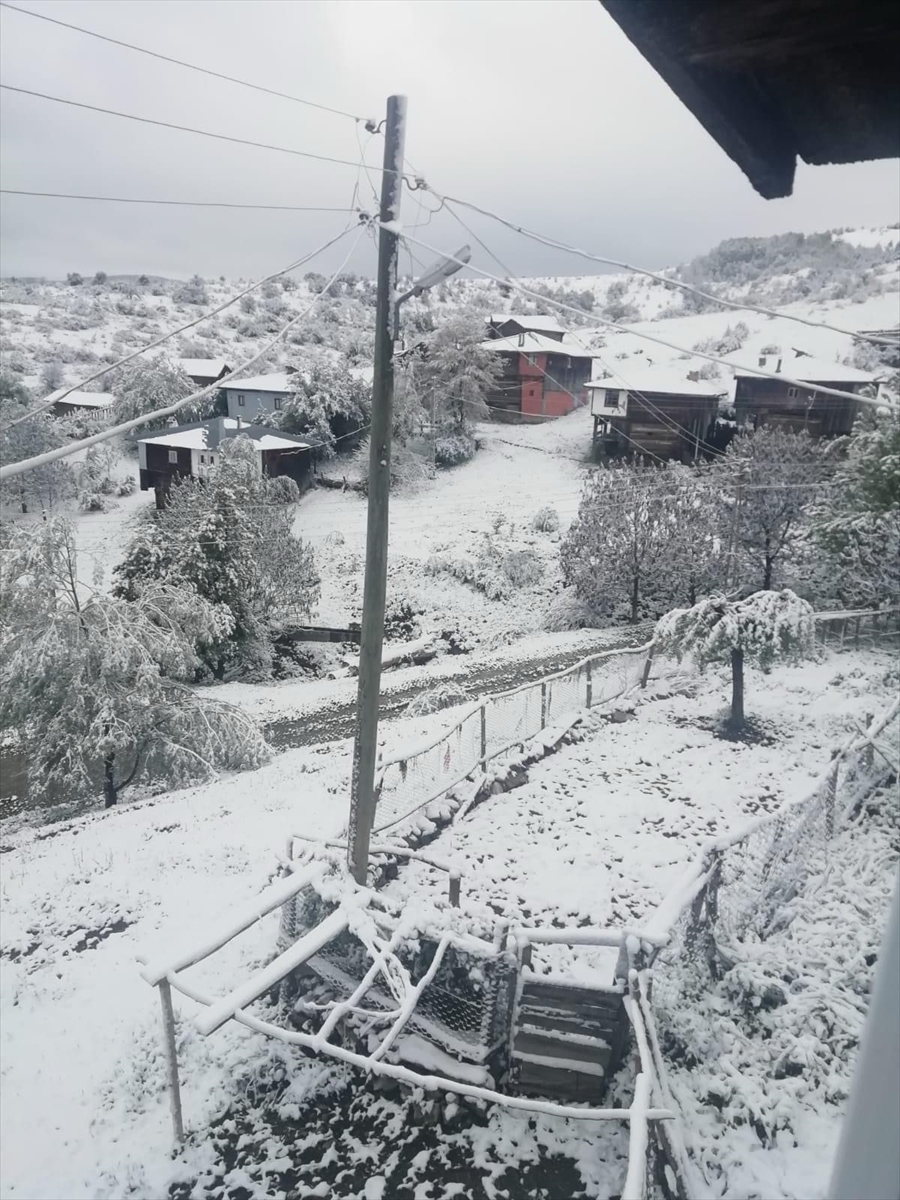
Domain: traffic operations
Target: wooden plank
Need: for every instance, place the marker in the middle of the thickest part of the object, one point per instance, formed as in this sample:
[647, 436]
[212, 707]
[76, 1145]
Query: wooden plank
[593, 1058]
[568, 1023]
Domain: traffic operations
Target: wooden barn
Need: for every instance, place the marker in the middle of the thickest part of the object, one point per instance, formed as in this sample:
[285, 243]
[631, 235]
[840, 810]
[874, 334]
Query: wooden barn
[760, 400]
[192, 451]
[658, 413]
[541, 377]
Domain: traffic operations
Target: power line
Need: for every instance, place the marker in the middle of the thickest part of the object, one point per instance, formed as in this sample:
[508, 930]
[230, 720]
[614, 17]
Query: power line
[45, 404]
[256, 87]
[220, 137]
[39, 460]
[175, 203]
[649, 337]
[668, 282]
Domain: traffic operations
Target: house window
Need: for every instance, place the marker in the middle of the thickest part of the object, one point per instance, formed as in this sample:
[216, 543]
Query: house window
[203, 458]
[240, 400]
[531, 359]
[277, 403]
[793, 392]
[612, 399]
[173, 457]
[212, 460]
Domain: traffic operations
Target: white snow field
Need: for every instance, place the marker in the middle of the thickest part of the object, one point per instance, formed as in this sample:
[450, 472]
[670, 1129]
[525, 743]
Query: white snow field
[598, 834]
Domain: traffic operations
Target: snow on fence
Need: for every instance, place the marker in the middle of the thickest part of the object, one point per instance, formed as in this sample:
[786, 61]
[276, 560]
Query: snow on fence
[497, 723]
[738, 887]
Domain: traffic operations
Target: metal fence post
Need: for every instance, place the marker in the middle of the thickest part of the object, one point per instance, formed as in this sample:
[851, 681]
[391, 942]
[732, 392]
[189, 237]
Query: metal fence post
[483, 732]
[645, 675]
[454, 889]
[589, 688]
[165, 996]
[831, 789]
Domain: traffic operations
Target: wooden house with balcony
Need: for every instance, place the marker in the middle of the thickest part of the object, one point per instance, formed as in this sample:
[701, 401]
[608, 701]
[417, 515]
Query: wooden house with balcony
[657, 413]
[193, 451]
[542, 377]
[760, 400]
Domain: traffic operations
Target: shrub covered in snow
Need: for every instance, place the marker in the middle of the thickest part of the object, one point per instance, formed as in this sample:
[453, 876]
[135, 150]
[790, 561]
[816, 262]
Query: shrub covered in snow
[453, 448]
[445, 695]
[546, 520]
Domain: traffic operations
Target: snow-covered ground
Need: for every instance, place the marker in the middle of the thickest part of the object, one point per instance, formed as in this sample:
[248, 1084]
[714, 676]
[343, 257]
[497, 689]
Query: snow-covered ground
[597, 834]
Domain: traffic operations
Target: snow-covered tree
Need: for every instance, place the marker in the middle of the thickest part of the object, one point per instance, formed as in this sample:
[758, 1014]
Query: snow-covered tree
[616, 544]
[856, 522]
[327, 402]
[767, 480]
[51, 377]
[94, 688]
[692, 564]
[229, 539]
[41, 487]
[451, 374]
[145, 385]
[759, 629]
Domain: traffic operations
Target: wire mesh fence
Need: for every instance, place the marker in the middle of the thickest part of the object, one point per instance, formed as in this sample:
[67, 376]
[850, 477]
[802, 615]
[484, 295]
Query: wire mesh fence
[745, 884]
[497, 724]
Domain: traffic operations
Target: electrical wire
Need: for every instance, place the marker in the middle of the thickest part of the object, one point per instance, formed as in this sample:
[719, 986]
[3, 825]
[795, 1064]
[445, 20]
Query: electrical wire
[220, 137]
[668, 282]
[174, 203]
[256, 87]
[45, 404]
[782, 378]
[38, 460]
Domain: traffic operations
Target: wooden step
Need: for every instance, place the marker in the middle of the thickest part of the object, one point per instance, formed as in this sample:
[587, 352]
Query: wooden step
[568, 1086]
[561, 996]
[592, 1058]
[595, 1024]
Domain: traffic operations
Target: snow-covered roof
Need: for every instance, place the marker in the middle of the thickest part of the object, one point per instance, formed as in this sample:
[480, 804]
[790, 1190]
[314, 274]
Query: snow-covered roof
[809, 370]
[81, 399]
[277, 381]
[210, 368]
[531, 321]
[535, 343]
[206, 435]
[660, 380]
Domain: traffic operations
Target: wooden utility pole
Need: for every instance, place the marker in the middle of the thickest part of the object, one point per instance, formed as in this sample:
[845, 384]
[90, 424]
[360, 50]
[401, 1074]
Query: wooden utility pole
[362, 783]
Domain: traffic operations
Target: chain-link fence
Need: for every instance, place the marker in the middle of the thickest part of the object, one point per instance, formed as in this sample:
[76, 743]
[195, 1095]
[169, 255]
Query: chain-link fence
[744, 884]
[498, 723]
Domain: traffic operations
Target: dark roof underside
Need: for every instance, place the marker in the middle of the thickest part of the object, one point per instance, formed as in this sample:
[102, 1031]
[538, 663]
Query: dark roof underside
[774, 80]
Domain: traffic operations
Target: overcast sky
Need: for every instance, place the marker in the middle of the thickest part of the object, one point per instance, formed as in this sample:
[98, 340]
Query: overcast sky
[539, 109]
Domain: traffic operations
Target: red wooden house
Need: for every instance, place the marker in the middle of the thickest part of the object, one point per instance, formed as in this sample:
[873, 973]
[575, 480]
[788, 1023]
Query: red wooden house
[542, 377]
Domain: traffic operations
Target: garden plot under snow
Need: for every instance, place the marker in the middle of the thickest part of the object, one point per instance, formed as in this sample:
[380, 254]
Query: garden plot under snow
[598, 834]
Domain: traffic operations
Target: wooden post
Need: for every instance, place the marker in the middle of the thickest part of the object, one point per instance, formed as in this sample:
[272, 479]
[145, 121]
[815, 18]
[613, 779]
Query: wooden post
[543, 705]
[501, 929]
[165, 996]
[856, 634]
[526, 955]
[454, 889]
[645, 676]
[483, 732]
[589, 688]
[869, 752]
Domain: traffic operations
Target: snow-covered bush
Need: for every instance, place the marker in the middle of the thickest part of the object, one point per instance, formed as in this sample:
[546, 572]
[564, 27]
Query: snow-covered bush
[327, 402]
[765, 626]
[51, 377]
[452, 448]
[567, 612]
[126, 486]
[546, 520]
[496, 570]
[93, 502]
[282, 490]
[522, 568]
[149, 384]
[436, 699]
[192, 292]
